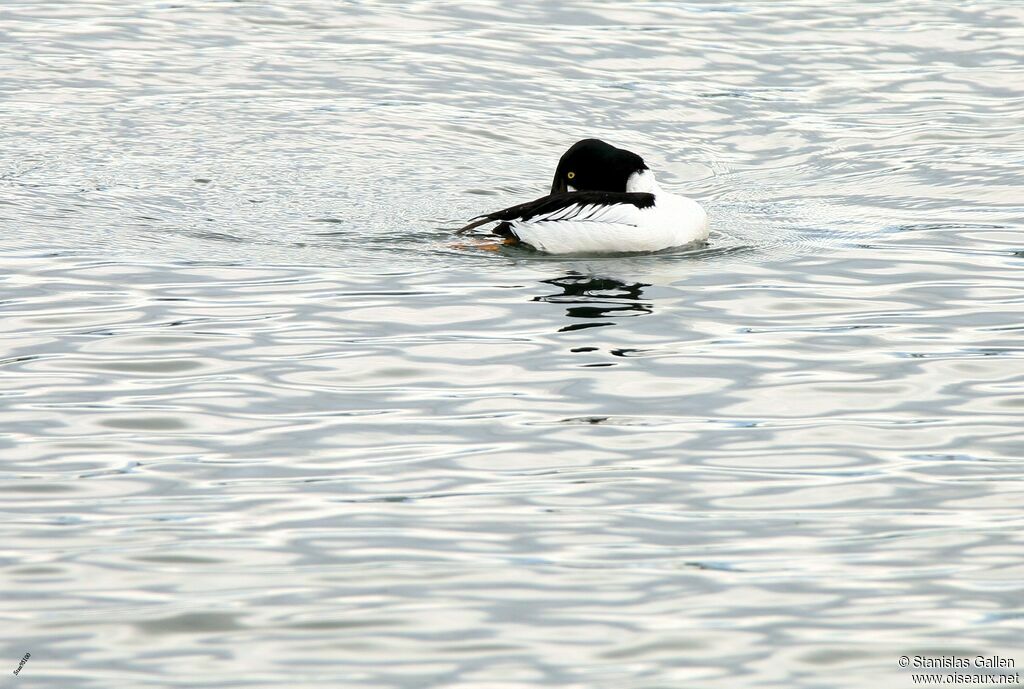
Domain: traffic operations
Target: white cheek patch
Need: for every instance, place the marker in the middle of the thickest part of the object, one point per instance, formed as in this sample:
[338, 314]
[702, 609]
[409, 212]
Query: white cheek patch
[570, 187]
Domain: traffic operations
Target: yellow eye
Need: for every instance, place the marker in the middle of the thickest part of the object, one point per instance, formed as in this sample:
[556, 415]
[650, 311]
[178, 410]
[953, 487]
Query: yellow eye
[571, 175]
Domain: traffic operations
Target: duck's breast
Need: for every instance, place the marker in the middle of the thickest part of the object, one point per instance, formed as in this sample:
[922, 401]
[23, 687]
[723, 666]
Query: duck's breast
[685, 220]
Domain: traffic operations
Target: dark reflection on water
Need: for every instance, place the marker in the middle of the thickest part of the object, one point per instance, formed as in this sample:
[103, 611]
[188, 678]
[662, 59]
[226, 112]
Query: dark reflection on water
[264, 425]
[596, 298]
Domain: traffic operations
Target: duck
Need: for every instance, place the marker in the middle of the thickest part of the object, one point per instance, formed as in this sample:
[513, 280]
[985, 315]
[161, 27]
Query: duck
[603, 199]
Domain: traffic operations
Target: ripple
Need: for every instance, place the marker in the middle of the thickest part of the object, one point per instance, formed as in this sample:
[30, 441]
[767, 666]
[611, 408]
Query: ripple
[267, 423]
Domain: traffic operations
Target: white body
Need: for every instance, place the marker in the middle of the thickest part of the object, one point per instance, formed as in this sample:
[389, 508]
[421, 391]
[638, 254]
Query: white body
[671, 221]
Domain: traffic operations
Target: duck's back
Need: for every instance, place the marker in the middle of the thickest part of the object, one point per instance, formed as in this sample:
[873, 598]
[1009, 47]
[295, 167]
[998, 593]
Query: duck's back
[670, 221]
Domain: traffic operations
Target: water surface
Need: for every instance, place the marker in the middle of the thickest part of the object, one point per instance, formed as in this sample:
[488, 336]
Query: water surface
[265, 426]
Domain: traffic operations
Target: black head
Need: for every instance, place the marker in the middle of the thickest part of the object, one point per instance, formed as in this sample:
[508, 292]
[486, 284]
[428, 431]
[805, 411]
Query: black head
[593, 165]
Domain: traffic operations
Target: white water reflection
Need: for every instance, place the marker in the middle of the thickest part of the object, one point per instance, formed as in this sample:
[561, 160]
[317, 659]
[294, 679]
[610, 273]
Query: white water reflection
[264, 425]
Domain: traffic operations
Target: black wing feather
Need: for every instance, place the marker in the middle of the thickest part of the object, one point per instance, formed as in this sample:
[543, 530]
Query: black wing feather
[553, 203]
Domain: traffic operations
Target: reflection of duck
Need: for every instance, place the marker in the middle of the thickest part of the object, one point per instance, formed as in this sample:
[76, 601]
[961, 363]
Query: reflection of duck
[596, 297]
[603, 200]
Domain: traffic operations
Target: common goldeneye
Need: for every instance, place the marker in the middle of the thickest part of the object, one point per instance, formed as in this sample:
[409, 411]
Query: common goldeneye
[603, 200]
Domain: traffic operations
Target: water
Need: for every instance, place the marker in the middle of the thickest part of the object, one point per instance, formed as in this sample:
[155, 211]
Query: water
[265, 425]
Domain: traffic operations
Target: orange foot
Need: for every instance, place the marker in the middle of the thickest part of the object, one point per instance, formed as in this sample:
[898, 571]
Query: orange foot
[485, 246]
